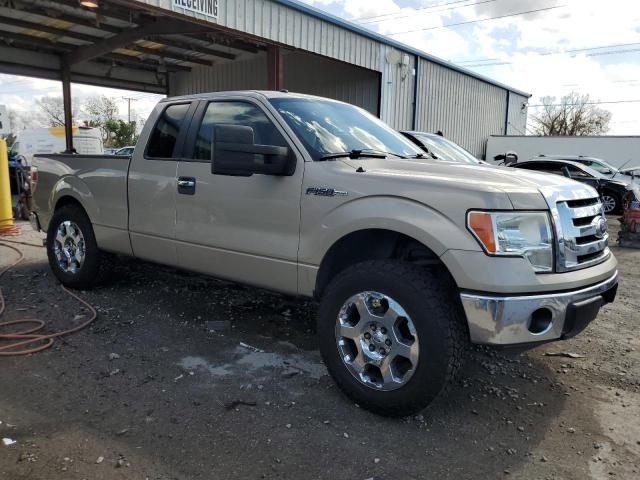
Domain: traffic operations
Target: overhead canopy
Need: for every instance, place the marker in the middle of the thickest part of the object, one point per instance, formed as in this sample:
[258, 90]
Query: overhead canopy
[119, 44]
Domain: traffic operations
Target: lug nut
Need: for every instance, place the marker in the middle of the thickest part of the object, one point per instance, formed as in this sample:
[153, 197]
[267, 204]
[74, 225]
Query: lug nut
[372, 348]
[383, 330]
[382, 351]
[367, 335]
[388, 342]
[373, 326]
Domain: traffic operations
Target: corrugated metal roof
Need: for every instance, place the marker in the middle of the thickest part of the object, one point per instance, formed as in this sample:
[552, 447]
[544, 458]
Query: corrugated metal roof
[315, 12]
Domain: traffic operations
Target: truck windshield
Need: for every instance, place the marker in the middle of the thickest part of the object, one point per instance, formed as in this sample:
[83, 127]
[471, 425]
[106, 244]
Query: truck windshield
[328, 128]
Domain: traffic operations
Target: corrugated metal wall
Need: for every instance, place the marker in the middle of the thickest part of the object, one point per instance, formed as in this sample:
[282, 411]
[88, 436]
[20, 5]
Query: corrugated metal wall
[287, 26]
[397, 91]
[517, 116]
[303, 73]
[238, 75]
[466, 109]
[306, 73]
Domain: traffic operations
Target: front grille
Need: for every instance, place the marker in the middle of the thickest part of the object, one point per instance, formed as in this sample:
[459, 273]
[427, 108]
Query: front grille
[580, 243]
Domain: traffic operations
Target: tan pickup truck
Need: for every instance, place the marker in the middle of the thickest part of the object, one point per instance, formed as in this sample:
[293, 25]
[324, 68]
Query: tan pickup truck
[410, 257]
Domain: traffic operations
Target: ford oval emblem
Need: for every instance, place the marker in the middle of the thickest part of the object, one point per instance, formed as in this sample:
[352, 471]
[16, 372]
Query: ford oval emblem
[601, 227]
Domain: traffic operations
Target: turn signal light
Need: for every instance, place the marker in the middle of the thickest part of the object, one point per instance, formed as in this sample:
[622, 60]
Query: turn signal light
[481, 224]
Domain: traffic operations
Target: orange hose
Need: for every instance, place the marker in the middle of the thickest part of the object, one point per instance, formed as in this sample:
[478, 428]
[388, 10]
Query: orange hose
[27, 336]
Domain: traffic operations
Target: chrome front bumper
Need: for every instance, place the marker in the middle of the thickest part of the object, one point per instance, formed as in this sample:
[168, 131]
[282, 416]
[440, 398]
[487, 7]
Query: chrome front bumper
[512, 320]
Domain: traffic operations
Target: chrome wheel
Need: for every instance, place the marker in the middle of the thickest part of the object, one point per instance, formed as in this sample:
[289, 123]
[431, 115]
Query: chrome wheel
[69, 247]
[377, 341]
[609, 203]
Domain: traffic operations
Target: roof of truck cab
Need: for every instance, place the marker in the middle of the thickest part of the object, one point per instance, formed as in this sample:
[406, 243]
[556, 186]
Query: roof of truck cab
[252, 93]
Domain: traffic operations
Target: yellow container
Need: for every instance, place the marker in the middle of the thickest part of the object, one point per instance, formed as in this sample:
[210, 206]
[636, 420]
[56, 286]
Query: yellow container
[6, 212]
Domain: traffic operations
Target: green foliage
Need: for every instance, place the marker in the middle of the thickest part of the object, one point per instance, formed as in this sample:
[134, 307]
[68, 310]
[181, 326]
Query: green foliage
[121, 133]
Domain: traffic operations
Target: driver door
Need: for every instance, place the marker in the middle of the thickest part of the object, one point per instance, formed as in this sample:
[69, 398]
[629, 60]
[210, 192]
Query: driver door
[240, 228]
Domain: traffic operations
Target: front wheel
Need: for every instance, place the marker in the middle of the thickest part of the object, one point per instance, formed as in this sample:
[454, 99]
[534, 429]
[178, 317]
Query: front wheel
[72, 250]
[391, 335]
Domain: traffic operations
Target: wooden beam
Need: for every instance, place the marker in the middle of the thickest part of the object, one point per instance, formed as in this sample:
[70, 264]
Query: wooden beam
[15, 22]
[234, 43]
[126, 37]
[163, 53]
[171, 42]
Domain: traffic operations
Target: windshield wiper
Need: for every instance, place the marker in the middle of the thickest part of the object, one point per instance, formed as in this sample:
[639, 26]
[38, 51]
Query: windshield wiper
[354, 155]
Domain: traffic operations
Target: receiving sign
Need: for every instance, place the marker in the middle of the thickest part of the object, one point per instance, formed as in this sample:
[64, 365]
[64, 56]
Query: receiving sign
[204, 7]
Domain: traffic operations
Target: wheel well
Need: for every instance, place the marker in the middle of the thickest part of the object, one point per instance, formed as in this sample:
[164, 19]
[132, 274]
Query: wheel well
[66, 201]
[372, 244]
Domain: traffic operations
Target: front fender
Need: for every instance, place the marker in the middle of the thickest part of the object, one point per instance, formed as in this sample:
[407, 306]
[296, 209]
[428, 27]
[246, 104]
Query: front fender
[398, 214]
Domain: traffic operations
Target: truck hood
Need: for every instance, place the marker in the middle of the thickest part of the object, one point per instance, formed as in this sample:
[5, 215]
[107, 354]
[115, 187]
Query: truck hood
[522, 187]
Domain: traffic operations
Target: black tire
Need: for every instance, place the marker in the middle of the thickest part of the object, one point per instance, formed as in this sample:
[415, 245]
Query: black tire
[96, 267]
[430, 299]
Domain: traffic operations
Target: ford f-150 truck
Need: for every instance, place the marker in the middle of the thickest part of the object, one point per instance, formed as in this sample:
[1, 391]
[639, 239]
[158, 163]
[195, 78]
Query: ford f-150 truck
[411, 258]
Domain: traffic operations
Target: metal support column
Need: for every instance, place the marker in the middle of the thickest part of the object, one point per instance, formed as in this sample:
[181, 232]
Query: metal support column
[66, 101]
[275, 74]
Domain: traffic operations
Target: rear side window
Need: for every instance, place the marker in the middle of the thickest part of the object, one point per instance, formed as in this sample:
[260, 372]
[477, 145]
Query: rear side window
[163, 138]
[235, 113]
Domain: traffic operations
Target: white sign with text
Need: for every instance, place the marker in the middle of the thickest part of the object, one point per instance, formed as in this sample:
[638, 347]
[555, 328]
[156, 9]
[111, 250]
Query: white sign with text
[208, 8]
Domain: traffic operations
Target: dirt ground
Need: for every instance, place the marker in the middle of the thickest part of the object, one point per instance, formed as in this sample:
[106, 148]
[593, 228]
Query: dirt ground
[185, 377]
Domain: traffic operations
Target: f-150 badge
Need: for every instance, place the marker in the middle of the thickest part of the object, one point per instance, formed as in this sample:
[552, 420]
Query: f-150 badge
[326, 192]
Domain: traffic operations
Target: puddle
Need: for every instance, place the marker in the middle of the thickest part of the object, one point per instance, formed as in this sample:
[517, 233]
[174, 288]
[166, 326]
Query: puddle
[251, 362]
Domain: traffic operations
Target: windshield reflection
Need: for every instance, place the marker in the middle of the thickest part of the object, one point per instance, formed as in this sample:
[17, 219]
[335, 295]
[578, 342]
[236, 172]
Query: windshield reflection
[327, 127]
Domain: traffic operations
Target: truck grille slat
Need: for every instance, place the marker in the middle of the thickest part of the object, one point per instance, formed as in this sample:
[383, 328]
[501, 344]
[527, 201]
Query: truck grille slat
[579, 221]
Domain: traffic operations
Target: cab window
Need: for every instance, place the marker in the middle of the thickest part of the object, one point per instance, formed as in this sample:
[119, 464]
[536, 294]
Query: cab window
[235, 113]
[162, 141]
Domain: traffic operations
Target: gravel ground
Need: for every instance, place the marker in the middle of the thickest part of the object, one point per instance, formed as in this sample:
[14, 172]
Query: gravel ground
[185, 377]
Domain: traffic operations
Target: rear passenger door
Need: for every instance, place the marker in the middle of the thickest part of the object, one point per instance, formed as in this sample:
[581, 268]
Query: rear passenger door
[152, 184]
[240, 228]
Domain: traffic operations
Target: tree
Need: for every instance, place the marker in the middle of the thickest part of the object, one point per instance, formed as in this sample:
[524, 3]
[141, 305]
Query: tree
[52, 110]
[574, 114]
[121, 133]
[101, 111]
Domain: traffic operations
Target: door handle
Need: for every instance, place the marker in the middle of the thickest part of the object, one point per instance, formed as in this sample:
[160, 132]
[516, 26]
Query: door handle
[187, 185]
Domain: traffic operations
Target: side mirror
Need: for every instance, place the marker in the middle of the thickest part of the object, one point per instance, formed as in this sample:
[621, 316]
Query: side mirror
[235, 153]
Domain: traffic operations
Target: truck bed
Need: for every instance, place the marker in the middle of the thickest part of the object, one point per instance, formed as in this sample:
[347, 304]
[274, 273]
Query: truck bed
[98, 182]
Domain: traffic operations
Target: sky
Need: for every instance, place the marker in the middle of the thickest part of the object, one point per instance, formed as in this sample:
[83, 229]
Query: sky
[588, 46]
[534, 52]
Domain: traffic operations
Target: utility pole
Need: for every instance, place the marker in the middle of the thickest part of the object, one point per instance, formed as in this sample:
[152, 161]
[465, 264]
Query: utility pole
[129, 100]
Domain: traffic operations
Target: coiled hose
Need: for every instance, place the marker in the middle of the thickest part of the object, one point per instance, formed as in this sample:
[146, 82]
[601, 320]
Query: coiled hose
[22, 341]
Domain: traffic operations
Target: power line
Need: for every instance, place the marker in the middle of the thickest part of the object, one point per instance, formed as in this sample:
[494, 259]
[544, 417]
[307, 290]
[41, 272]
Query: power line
[392, 15]
[478, 21]
[597, 54]
[587, 103]
[574, 50]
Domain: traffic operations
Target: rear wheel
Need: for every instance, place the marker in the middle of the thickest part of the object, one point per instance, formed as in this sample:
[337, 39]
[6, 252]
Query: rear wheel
[610, 202]
[391, 335]
[72, 250]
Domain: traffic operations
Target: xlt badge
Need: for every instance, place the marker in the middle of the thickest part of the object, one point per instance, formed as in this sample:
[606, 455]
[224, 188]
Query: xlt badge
[326, 192]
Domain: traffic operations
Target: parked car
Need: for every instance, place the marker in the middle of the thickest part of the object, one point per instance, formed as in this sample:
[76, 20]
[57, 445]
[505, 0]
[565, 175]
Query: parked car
[440, 148]
[612, 191]
[624, 174]
[125, 151]
[411, 259]
[110, 151]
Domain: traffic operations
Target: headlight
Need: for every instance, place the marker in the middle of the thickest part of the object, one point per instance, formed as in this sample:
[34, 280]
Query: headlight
[521, 234]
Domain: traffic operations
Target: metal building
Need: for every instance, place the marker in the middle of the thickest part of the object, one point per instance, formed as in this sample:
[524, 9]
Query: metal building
[188, 46]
